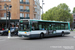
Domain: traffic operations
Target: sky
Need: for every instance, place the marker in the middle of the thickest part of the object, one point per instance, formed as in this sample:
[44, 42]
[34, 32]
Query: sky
[52, 3]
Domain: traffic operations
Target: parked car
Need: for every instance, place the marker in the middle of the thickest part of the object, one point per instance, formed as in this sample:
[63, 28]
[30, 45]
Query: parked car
[13, 30]
[4, 32]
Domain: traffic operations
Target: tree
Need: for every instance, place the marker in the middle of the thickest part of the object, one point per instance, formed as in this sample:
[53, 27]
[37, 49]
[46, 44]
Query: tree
[74, 10]
[64, 7]
[59, 13]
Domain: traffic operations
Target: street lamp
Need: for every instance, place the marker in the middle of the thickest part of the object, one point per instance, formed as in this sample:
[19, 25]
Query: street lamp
[9, 35]
[6, 13]
[42, 9]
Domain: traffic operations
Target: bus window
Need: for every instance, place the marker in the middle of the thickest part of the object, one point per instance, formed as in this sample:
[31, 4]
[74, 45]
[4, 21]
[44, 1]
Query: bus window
[46, 26]
[52, 27]
[21, 26]
[43, 26]
[62, 26]
[24, 27]
[58, 27]
[66, 26]
[40, 27]
[35, 26]
[49, 28]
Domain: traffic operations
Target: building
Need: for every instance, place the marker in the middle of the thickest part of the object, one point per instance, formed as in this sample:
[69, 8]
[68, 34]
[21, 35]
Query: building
[21, 9]
[73, 15]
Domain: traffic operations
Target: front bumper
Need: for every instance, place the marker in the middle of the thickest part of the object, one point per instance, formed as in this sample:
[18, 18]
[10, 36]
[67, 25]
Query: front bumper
[24, 35]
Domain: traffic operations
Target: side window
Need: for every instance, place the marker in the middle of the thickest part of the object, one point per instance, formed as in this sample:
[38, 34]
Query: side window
[66, 26]
[58, 27]
[35, 26]
[40, 26]
[43, 26]
[62, 26]
[52, 26]
[46, 26]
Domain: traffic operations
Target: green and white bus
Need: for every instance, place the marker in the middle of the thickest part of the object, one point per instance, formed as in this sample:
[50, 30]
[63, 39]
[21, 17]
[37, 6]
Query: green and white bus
[42, 28]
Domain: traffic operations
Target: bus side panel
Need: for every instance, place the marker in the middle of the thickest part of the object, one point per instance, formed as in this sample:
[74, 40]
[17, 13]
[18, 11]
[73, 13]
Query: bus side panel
[65, 32]
[37, 33]
[58, 32]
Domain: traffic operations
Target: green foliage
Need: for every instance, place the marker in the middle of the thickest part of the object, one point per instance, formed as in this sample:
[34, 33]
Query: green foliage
[74, 10]
[64, 7]
[59, 13]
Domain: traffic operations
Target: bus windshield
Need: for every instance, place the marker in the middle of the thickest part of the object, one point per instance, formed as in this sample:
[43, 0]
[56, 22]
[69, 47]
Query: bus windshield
[24, 26]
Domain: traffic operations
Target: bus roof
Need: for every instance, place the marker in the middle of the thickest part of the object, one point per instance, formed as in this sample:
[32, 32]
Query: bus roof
[45, 20]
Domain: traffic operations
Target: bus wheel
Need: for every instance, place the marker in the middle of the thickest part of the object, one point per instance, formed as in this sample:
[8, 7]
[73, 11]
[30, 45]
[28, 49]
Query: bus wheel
[41, 36]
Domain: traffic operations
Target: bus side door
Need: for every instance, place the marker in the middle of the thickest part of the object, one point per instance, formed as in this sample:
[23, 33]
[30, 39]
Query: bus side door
[51, 29]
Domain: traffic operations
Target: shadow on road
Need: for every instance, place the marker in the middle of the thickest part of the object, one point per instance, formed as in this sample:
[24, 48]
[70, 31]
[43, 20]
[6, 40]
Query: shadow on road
[52, 37]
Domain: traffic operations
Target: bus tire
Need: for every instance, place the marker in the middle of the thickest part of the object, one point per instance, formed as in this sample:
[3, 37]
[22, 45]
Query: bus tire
[41, 35]
[62, 34]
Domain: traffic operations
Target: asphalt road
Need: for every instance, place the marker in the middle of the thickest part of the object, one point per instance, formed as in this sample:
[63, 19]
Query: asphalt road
[53, 43]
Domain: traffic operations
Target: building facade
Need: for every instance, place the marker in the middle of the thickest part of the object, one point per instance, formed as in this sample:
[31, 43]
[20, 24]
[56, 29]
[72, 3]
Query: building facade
[21, 9]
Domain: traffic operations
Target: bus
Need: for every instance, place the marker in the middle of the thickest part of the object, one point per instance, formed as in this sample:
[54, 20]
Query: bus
[42, 28]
